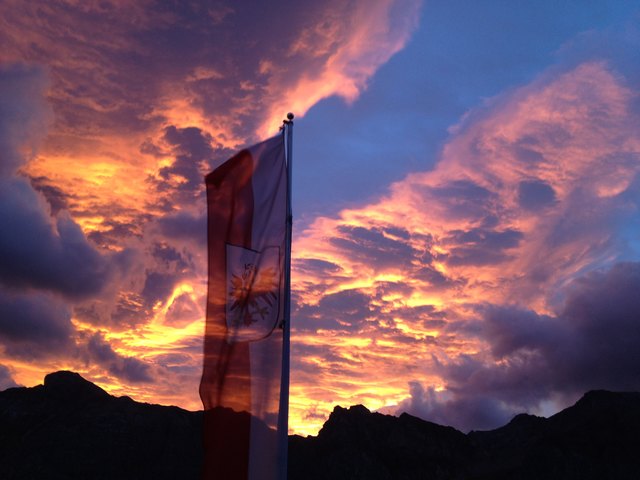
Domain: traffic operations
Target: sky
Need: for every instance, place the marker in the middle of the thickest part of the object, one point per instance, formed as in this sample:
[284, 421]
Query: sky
[466, 195]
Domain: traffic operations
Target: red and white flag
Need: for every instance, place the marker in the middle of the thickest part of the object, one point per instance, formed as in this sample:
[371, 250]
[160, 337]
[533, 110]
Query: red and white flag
[243, 346]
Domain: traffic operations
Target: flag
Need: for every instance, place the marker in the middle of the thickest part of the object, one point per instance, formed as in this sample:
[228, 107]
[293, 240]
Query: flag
[243, 346]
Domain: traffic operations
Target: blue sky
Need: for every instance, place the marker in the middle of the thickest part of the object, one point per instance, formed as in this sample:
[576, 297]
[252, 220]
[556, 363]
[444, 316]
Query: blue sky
[461, 54]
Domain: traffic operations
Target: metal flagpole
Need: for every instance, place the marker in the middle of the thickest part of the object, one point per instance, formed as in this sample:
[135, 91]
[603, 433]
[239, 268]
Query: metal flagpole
[283, 418]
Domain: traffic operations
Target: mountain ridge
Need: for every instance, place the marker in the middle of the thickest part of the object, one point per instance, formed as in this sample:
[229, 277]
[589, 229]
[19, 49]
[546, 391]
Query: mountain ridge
[69, 428]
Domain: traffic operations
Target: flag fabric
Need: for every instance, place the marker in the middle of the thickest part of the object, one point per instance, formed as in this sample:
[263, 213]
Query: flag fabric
[241, 379]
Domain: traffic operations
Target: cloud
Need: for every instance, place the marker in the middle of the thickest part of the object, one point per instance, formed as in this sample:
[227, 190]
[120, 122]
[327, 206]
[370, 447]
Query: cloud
[181, 183]
[183, 225]
[128, 369]
[464, 413]
[533, 191]
[110, 137]
[509, 330]
[337, 50]
[461, 278]
[601, 313]
[589, 344]
[6, 381]
[37, 250]
[535, 195]
[372, 245]
[34, 325]
[213, 78]
[476, 206]
[47, 264]
[481, 246]
[183, 311]
[57, 199]
[345, 312]
[24, 115]
[214, 88]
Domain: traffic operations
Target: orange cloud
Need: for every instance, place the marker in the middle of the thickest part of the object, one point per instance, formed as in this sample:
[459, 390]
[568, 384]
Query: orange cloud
[340, 49]
[145, 101]
[502, 219]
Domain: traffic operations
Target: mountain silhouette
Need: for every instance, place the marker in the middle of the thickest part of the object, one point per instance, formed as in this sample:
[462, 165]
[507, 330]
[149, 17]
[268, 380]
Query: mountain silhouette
[71, 429]
[597, 438]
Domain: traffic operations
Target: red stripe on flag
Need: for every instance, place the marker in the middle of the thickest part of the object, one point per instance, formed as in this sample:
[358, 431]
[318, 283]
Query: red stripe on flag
[226, 368]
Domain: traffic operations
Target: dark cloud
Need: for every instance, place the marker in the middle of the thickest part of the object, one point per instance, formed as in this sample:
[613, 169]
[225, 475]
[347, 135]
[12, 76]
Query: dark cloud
[345, 311]
[171, 267]
[155, 273]
[480, 246]
[158, 286]
[128, 369]
[433, 277]
[428, 315]
[335, 363]
[34, 325]
[392, 288]
[191, 145]
[590, 344]
[526, 150]
[510, 329]
[177, 363]
[24, 114]
[318, 267]
[184, 225]
[182, 312]
[602, 312]
[398, 232]
[113, 232]
[169, 257]
[193, 152]
[351, 308]
[535, 195]
[463, 199]
[6, 381]
[40, 252]
[56, 198]
[521, 381]
[37, 250]
[373, 248]
[464, 413]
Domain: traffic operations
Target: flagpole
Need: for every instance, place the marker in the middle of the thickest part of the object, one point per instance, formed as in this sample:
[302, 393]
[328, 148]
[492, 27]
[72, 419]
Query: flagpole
[283, 419]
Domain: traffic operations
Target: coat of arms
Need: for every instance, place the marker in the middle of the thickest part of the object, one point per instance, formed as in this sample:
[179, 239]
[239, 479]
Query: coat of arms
[253, 292]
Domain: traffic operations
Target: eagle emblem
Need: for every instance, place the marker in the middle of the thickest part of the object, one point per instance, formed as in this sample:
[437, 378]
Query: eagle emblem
[253, 292]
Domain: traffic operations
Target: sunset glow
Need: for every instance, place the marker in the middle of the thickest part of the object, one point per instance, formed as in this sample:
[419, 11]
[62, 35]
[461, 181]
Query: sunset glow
[466, 196]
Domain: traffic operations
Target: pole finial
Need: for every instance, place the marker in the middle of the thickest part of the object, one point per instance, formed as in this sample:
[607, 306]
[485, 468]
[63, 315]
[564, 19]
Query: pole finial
[288, 121]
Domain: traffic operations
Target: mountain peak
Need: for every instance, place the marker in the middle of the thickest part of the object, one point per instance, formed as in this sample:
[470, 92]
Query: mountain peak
[352, 410]
[606, 397]
[71, 384]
